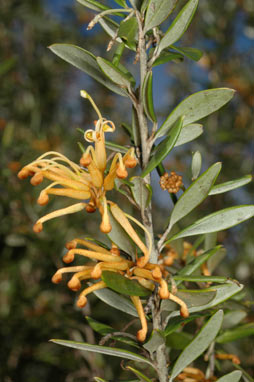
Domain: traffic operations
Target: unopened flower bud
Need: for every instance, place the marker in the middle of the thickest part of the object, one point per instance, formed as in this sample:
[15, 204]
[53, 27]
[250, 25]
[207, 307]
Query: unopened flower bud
[90, 208]
[38, 227]
[85, 160]
[24, 173]
[57, 278]
[82, 301]
[68, 258]
[121, 172]
[71, 244]
[37, 178]
[141, 335]
[130, 162]
[74, 284]
[43, 199]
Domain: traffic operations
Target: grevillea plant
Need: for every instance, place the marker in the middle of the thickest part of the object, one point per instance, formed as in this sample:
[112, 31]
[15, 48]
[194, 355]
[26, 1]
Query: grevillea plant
[159, 278]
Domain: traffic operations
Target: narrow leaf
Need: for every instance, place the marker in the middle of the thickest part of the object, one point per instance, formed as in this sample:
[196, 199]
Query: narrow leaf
[85, 61]
[156, 339]
[199, 344]
[176, 323]
[147, 95]
[224, 292]
[196, 107]
[217, 221]
[233, 318]
[103, 350]
[128, 32]
[113, 73]
[231, 185]
[164, 148]
[167, 57]
[195, 194]
[119, 237]
[196, 164]
[157, 12]
[192, 53]
[193, 298]
[234, 376]
[201, 279]
[98, 379]
[141, 193]
[236, 333]
[179, 25]
[123, 285]
[115, 147]
[99, 327]
[116, 301]
[92, 4]
[138, 373]
[189, 133]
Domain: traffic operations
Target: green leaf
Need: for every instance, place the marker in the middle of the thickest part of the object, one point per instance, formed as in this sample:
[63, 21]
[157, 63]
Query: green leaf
[103, 350]
[135, 127]
[114, 73]
[141, 192]
[199, 344]
[179, 25]
[119, 237]
[178, 340]
[110, 27]
[246, 376]
[196, 107]
[115, 147]
[116, 301]
[193, 299]
[234, 376]
[127, 31]
[196, 164]
[138, 373]
[123, 285]
[189, 133]
[176, 323]
[231, 185]
[201, 279]
[195, 194]
[197, 262]
[98, 379]
[192, 53]
[92, 4]
[85, 61]
[233, 318]
[99, 327]
[156, 339]
[157, 12]
[167, 57]
[122, 3]
[224, 292]
[147, 95]
[164, 148]
[217, 221]
[236, 333]
[214, 261]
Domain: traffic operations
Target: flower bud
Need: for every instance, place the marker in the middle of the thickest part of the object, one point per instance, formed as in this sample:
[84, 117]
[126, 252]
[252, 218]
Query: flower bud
[69, 257]
[37, 178]
[38, 227]
[74, 284]
[57, 278]
[82, 301]
[43, 198]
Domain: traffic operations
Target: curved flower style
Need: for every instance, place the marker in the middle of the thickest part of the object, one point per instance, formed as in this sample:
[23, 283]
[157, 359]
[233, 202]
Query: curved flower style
[89, 182]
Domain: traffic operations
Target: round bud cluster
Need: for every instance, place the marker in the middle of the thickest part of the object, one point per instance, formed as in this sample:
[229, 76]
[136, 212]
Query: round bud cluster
[172, 183]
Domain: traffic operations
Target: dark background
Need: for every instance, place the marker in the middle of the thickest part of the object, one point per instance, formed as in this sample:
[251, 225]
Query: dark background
[40, 109]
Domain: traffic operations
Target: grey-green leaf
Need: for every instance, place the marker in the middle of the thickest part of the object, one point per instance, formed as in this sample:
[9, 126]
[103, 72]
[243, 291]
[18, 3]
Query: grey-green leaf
[85, 61]
[118, 236]
[114, 73]
[164, 148]
[233, 318]
[195, 194]
[196, 164]
[236, 333]
[189, 133]
[192, 53]
[141, 376]
[147, 95]
[94, 5]
[83, 346]
[231, 185]
[116, 301]
[156, 339]
[234, 376]
[179, 25]
[157, 12]
[141, 192]
[217, 221]
[199, 344]
[196, 107]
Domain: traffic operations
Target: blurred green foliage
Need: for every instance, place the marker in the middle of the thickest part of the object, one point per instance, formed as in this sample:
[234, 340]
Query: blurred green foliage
[40, 109]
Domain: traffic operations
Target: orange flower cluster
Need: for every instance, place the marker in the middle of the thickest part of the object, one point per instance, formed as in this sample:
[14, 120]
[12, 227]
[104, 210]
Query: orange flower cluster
[148, 276]
[89, 182]
[192, 374]
[171, 183]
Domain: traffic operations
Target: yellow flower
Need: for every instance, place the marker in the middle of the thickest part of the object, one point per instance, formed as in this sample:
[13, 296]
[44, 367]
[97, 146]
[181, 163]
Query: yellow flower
[87, 182]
